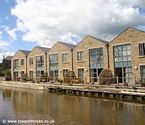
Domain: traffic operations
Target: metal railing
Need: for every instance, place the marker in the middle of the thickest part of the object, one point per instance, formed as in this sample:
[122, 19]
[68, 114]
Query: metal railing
[119, 81]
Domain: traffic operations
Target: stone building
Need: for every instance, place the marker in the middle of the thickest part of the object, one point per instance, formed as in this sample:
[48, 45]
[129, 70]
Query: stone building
[60, 60]
[90, 58]
[37, 62]
[124, 56]
[127, 56]
[19, 65]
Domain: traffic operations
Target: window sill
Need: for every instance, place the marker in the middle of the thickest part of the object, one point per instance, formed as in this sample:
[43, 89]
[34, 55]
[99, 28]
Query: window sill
[31, 65]
[65, 62]
[141, 56]
[80, 61]
[22, 65]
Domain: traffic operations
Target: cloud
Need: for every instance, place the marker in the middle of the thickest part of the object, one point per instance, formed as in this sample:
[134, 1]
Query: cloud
[5, 52]
[3, 43]
[12, 33]
[47, 21]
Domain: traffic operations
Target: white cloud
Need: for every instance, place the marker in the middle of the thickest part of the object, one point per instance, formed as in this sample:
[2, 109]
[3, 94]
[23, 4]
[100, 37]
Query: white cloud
[3, 43]
[12, 33]
[47, 21]
[4, 52]
[1, 33]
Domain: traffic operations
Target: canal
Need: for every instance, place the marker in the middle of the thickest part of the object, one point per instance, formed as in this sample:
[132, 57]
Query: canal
[18, 105]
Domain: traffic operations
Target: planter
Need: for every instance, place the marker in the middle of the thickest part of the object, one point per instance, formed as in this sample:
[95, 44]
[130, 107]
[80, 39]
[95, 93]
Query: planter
[143, 85]
[125, 84]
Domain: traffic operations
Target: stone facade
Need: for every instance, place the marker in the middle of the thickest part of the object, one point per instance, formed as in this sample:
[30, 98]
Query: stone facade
[36, 51]
[86, 44]
[61, 48]
[130, 36]
[133, 37]
[19, 55]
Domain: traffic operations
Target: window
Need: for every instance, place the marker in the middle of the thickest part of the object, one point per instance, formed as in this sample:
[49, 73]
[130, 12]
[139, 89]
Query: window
[40, 62]
[30, 61]
[40, 59]
[65, 71]
[142, 73]
[53, 58]
[123, 63]
[16, 63]
[22, 73]
[16, 75]
[122, 55]
[81, 74]
[80, 55]
[64, 57]
[141, 49]
[31, 75]
[39, 73]
[22, 62]
[96, 58]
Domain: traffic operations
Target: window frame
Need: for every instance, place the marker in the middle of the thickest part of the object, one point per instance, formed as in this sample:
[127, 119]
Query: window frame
[80, 56]
[82, 75]
[30, 61]
[64, 57]
[22, 62]
[141, 47]
[142, 73]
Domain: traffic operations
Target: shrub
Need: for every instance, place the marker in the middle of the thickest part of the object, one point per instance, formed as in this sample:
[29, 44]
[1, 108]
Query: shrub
[60, 80]
[133, 87]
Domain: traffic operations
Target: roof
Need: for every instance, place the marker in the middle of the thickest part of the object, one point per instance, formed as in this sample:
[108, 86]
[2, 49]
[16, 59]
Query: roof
[43, 48]
[103, 41]
[125, 31]
[98, 39]
[68, 45]
[26, 52]
[8, 58]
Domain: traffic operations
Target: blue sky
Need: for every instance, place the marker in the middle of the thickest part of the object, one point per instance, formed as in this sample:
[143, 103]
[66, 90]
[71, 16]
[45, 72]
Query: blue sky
[9, 21]
[26, 23]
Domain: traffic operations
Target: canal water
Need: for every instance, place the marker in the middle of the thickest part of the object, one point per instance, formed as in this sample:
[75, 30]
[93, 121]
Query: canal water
[30, 106]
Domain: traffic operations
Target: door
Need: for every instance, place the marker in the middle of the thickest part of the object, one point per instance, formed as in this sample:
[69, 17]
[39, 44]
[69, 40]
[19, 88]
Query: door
[54, 74]
[119, 74]
[95, 74]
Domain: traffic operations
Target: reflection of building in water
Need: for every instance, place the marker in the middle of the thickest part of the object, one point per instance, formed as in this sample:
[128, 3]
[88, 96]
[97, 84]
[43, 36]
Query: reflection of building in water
[28, 104]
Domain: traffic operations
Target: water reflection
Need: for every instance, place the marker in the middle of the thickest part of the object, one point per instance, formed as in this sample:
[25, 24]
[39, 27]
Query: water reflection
[68, 110]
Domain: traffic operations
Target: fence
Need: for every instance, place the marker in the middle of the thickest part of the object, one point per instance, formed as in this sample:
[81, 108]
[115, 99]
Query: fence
[70, 79]
[122, 81]
[116, 80]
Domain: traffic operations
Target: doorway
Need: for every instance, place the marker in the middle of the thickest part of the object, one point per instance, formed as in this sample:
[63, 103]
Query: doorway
[94, 74]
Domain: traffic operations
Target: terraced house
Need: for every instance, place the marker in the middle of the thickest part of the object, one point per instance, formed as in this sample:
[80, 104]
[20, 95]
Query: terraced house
[19, 65]
[124, 56]
[127, 56]
[90, 58]
[37, 62]
[60, 60]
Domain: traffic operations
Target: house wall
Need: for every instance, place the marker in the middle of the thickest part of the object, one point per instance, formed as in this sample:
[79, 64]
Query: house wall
[60, 49]
[85, 45]
[19, 55]
[33, 54]
[129, 36]
[133, 37]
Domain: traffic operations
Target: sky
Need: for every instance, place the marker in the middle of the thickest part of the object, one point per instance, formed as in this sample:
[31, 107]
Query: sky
[27, 23]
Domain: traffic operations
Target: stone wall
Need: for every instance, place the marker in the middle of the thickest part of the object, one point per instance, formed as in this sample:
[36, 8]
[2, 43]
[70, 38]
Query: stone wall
[86, 44]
